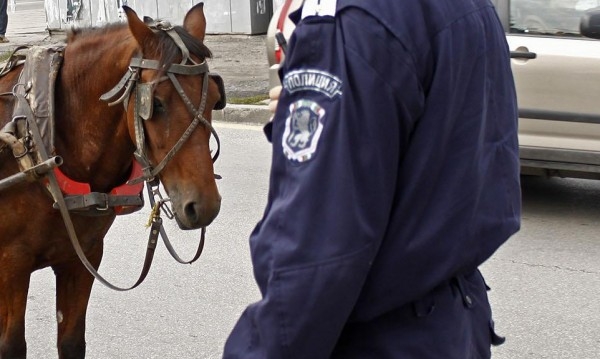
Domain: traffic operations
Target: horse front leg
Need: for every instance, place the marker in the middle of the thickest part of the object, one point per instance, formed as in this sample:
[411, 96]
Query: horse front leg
[73, 288]
[14, 285]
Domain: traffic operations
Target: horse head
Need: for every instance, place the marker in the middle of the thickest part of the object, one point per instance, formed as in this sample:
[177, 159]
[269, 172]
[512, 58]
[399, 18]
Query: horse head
[169, 113]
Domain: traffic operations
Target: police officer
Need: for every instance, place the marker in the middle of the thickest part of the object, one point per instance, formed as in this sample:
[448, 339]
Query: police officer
[3, 20]
[395, 174]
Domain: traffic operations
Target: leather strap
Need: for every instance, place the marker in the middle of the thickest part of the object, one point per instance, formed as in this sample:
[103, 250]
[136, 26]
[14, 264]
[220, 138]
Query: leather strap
[127, 81]
[163, 233]
[179, 69]
[100, 202]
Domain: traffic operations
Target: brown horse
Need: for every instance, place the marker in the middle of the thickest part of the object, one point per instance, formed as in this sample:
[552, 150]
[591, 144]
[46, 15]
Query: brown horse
[162, 97]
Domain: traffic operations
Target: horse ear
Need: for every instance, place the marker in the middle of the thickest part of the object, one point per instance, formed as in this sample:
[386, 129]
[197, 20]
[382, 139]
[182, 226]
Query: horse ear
[148, 20]
[140, 31]
[195, 22]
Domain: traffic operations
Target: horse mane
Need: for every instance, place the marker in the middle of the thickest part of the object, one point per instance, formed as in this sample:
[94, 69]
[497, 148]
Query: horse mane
[194, 45]
[167, 50]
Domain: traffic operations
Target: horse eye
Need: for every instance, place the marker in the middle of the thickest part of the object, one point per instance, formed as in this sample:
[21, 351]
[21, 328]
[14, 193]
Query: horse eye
[158, 106]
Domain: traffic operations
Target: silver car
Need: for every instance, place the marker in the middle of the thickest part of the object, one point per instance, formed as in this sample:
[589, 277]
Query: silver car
[557, 75]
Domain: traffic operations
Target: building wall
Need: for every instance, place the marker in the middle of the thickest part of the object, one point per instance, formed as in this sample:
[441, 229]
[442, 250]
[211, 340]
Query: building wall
[222, 16]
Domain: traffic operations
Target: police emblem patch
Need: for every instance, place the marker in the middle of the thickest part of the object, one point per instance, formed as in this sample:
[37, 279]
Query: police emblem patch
[302, 130]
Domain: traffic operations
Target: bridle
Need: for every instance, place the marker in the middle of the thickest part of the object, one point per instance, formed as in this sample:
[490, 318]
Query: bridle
[144, 98]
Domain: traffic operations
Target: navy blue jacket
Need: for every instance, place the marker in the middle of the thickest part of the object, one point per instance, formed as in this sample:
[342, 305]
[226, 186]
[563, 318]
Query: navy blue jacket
[395, 168]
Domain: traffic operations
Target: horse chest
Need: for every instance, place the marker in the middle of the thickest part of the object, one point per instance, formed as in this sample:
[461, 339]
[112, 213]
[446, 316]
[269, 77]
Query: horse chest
[30, 227]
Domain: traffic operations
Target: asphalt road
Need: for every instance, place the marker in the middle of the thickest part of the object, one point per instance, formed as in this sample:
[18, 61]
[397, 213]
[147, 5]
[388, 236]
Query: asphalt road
[545, 281]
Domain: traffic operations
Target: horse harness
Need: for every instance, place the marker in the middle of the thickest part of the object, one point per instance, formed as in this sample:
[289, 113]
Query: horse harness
[144, 97]
[30, 135]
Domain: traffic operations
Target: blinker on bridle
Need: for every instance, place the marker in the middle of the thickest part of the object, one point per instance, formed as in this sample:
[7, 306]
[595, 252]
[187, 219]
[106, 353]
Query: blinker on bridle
[144, 98]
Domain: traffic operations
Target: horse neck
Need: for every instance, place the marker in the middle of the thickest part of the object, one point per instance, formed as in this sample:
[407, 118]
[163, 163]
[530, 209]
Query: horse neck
[93, 138]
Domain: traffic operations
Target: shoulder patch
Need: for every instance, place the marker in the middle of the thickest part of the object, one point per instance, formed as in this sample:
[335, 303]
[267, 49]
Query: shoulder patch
[312, 80]
[318, 8]
[303, 128]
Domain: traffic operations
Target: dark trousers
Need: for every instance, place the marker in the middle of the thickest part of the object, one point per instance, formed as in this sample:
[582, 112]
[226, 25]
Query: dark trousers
[453, 321]
[3, 16]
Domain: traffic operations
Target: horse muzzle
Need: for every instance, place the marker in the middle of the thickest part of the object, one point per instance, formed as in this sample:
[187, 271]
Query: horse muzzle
[194, 213]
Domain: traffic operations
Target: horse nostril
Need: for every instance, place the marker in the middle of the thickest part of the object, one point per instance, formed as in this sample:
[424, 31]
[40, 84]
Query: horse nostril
[191, 211]
[196, 214]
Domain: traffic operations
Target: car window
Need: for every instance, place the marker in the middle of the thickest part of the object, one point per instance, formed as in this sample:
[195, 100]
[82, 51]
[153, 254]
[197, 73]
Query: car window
[549, 17]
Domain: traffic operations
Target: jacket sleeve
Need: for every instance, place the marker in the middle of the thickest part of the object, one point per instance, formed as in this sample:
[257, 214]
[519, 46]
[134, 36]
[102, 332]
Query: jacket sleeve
[336, 151]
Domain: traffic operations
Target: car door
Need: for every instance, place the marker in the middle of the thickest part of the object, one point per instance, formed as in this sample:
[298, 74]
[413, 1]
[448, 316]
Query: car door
[557, 76]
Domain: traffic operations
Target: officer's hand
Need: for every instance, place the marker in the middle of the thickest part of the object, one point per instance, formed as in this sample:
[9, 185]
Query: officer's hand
[274, 97]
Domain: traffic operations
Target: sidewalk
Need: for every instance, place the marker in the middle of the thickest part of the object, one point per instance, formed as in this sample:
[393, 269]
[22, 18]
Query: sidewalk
[241, 61]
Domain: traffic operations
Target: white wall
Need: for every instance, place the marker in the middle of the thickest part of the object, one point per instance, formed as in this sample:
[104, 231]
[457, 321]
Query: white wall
[222, 16]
